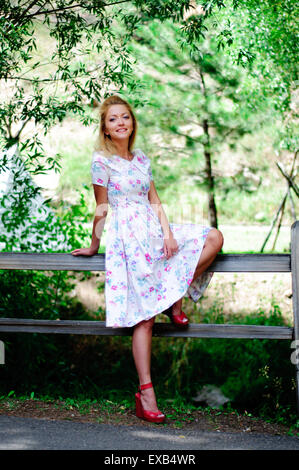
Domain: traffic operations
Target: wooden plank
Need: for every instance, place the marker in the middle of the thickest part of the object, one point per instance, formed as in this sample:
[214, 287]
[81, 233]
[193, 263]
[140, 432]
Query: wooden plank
[51, 262]
[194, 330]
[295, 290]
[68, 262]
[210, 330]
[251, 263]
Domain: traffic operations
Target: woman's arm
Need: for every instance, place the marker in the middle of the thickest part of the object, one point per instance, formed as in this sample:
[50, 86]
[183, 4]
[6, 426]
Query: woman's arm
[100, 193]
[170, 244]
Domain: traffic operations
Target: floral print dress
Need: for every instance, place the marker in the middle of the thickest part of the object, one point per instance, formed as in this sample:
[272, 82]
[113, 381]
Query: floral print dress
[140, 281]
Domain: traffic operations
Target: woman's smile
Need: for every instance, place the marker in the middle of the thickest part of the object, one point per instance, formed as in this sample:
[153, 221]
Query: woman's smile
[118, 121]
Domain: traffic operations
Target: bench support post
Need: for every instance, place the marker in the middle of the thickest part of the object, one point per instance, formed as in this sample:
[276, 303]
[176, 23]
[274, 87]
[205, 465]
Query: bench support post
[295, 289]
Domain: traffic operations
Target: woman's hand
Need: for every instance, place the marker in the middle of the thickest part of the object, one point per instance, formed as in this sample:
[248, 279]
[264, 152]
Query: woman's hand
[84, 252]
[170, 246]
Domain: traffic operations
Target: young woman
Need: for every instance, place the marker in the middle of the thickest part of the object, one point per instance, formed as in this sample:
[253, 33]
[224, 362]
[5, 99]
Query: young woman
[150, 264]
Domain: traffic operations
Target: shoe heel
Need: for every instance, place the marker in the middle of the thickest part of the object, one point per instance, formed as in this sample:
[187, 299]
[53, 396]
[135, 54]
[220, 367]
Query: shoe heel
[151, 416]
[139, 409]
[180, 320]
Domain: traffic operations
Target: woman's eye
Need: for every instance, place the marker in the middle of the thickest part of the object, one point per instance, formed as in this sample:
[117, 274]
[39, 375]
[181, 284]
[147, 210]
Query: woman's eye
[113, 119]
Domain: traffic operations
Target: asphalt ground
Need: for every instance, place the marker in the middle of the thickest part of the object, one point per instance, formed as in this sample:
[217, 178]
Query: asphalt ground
[41, 434]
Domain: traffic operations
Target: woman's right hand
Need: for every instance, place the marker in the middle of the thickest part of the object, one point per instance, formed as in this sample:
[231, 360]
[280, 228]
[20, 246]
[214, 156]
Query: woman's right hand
[84, 252]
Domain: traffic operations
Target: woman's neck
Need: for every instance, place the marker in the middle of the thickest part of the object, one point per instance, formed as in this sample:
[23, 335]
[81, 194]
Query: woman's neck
[123, 150]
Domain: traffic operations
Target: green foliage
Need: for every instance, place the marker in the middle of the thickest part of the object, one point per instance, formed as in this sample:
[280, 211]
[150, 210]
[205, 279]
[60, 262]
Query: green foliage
[199, 106]
[256, 375]
[57, 60]
[46, 85]
[52, 227]
[251, 30]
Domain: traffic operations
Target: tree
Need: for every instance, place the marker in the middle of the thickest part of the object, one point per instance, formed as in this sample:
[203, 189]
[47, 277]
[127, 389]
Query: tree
[88, 59]
[260, 39]
[197, 100]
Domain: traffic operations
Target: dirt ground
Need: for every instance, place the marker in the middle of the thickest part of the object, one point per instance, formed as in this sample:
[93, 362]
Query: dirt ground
[209, 420]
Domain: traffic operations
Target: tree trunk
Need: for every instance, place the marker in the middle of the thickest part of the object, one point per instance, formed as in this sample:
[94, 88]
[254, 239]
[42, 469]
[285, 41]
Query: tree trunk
[212, 210]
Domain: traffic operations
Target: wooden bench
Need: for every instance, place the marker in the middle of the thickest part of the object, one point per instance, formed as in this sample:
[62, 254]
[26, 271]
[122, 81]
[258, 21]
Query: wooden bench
[223, 263]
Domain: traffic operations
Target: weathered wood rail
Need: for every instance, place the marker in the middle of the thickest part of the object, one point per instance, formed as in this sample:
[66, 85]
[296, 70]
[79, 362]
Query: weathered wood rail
[266, 263]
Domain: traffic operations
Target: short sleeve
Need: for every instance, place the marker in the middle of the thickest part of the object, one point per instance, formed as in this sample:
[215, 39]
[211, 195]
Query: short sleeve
[99, 170]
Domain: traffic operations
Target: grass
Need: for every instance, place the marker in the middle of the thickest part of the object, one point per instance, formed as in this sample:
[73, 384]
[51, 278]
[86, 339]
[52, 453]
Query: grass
[179, 415]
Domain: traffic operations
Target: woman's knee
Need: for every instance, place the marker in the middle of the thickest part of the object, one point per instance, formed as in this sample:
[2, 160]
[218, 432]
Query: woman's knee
[216, 238]
[146, 324]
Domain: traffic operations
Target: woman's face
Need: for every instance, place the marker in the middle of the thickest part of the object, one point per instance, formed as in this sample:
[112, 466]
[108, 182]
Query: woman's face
[118, 122]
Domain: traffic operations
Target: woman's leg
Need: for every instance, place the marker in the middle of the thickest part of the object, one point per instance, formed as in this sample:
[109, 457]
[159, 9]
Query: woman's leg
[212, 246]
[142, 349]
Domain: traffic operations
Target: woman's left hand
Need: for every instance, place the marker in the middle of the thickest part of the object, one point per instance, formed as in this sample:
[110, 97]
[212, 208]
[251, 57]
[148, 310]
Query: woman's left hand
[170, 246]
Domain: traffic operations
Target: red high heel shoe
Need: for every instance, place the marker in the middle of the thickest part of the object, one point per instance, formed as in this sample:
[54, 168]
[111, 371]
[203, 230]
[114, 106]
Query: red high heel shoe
[178, 320]
[151, 416]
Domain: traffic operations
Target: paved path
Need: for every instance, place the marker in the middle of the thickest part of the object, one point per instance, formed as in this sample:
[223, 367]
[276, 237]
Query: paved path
[41, 434]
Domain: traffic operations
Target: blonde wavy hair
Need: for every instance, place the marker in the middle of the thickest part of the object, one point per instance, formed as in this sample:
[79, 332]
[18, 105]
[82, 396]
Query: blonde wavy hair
[104, 143]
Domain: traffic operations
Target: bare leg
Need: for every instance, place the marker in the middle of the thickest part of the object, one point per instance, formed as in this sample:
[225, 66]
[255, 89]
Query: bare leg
[212, 246]
[177, 307]
[142, 347]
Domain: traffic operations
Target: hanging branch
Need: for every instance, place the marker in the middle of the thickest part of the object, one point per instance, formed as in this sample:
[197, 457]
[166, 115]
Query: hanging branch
[274, 221]
[280, 221]
[290, 182]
